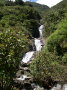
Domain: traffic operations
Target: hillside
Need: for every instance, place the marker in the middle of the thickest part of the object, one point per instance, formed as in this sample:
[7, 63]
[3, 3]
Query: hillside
[54, 16]
[42, 9]
[51, 62]
[62, 4]
[18, 25]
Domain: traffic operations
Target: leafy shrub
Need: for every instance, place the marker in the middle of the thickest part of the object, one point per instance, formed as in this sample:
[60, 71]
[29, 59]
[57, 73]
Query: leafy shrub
[64, 59]
[13, 45]
[14, 39]
[57, 40]
[46, 65]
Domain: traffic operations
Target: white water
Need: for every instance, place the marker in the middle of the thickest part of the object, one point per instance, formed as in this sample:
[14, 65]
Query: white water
[59, 87]
[23, 77]
[65, 87]
[38, 44]
[38, 88]
[41, 30]
[28, 56]
[38, 41]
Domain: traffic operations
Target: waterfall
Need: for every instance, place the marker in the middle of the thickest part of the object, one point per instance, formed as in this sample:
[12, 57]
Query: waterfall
[38, 41]
[41, 30]
[28, 56]
[38, 44]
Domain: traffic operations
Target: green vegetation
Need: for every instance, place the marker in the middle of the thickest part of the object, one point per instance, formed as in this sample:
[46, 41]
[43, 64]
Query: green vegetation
[19, 2]
[54, 16]
[42, 9]
[13, 44]
[18, 24]
[51, 62]
[57, 41]
[45, 66]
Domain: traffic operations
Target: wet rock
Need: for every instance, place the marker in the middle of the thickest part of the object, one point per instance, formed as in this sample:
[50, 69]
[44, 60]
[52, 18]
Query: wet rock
[28, 86]
[24, 64]
[38, 88]
[31, 47]
[18, 85]
[24, 77]
[24, 68]
[19, 73]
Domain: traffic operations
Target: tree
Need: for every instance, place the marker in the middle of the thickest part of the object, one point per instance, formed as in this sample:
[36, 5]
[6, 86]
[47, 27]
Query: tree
[2, 2]
[19, 2]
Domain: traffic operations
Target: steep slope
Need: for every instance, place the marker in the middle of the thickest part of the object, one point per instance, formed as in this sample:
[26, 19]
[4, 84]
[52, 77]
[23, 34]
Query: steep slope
[18, 24]
[42, 9]
[51, 63]
[62, 4]
[54, 16]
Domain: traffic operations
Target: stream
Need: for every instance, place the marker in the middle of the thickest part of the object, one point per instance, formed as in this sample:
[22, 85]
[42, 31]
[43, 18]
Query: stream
[27, 59]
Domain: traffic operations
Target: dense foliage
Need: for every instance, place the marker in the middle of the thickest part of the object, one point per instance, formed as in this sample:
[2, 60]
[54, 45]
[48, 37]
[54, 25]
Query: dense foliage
[42, 9]
[57, 41]
[24, 15]
[19, 22]
[18, 25]
[45, 66]
[51, 62]
[13, 44]
[54, 16]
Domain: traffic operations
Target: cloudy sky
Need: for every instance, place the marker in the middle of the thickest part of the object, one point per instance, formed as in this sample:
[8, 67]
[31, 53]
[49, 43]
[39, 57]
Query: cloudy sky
[49, 3]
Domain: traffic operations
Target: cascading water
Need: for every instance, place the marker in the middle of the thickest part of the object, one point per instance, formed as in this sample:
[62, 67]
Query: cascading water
[41, 30]
[38, 42]
[59, 87]
[28, 56]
